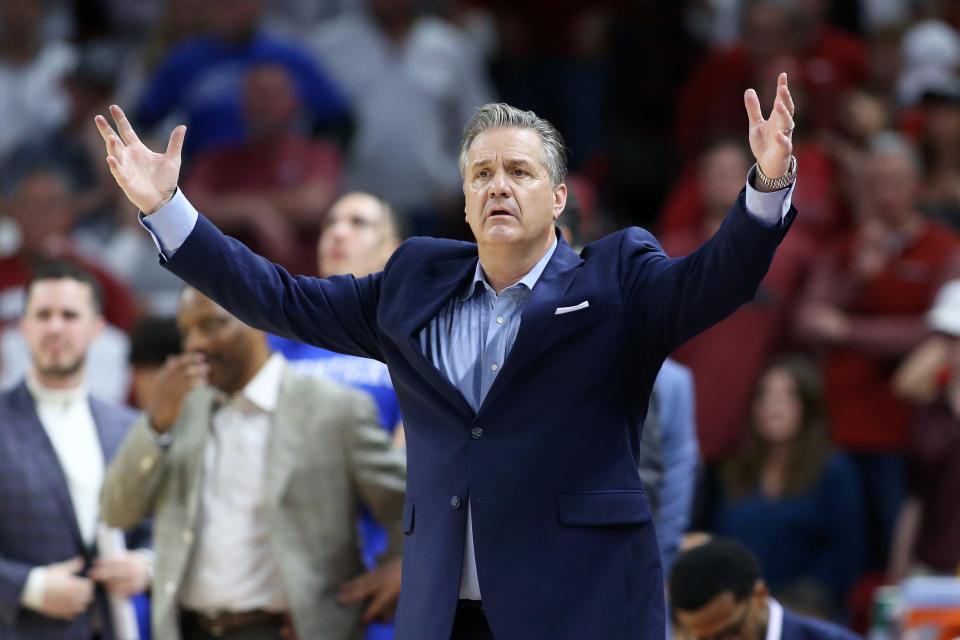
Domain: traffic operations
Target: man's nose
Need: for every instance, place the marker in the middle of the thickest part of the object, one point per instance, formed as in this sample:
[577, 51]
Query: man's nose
[499, 185]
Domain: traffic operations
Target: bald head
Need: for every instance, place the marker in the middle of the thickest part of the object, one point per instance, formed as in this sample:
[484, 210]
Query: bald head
[359, 235]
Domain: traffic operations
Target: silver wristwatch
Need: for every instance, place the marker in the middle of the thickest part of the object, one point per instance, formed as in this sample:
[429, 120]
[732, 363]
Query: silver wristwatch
[764, 183]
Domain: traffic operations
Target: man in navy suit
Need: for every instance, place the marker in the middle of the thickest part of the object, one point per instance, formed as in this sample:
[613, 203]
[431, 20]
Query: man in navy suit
[55, 442]
[523, 369]
[716, 591]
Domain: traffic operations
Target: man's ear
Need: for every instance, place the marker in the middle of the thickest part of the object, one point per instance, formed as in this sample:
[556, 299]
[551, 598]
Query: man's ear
[559, 200]
[760, 591]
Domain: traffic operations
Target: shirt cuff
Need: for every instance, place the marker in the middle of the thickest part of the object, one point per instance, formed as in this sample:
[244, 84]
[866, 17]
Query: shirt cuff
[162, 440]
[769, 208]
[170, 225]
[32, 595]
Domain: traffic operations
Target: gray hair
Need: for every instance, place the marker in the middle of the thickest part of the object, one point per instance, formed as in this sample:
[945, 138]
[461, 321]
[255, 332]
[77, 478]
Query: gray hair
[495, 115]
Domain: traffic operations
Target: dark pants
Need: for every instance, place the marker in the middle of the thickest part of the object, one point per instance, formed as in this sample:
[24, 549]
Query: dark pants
[269, 632]
[470, 622]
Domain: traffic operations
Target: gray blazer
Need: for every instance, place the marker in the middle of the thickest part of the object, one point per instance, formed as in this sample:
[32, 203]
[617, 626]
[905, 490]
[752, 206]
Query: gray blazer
[326, 455]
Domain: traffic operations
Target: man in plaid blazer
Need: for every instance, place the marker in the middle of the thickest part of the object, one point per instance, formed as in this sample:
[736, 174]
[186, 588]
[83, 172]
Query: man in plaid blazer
[55, 441]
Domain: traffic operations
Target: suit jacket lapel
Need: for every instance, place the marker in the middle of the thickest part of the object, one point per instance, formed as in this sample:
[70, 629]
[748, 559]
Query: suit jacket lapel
[537, 313]
[290, 414]
[426, 299]
[37, 442]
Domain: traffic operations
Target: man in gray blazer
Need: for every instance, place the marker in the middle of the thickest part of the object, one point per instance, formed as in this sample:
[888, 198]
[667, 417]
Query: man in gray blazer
[55, 441]
[254, 475]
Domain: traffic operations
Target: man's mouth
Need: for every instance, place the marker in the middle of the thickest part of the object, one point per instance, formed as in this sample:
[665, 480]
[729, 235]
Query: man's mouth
[500, 212]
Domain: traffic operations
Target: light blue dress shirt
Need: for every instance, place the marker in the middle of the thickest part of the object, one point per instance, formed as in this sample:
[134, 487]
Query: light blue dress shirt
[469, 339]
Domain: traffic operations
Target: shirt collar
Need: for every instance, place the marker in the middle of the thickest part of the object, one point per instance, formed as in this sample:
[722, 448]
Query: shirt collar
[48, 396]
[263, 389]
[774, 620]
[528, 280]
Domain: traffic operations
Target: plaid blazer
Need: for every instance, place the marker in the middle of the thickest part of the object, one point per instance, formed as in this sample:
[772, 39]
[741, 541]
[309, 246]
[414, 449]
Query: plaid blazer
[37, 523]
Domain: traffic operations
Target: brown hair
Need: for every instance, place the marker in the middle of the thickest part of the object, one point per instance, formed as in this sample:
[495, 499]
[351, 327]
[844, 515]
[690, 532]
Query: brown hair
[810, 447]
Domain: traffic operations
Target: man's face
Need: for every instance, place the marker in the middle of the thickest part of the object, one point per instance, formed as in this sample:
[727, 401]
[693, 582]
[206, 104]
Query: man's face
[509, 199]
[227, 344]
[357, 237]
[59, 324]
[723, 618]
[270, 101]
[891, 185]
[42, 208]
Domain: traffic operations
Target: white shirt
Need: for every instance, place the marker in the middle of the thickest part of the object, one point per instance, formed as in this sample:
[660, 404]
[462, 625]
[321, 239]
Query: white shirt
[68, 421]
[775, 620]
[232, 565]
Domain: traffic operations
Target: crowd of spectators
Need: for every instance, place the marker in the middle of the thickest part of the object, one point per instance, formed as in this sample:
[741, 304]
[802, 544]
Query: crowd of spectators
[826, 408]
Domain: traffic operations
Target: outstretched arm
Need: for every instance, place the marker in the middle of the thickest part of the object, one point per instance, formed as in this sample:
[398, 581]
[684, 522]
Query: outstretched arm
[338, 313]
[671, 300]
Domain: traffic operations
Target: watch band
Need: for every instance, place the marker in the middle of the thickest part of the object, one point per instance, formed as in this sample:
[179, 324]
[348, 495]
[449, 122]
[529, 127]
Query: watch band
[776, 184]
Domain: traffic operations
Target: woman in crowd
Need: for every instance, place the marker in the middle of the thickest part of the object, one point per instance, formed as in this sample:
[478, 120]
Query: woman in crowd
[790, 497]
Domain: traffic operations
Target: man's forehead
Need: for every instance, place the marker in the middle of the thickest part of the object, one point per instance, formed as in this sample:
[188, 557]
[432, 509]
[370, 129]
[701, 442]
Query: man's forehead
[64, 292]
[357, 206]
[509, 142]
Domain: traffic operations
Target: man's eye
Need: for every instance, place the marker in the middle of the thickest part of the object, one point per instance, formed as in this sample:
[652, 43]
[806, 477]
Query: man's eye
[519, 172]
[483, 173]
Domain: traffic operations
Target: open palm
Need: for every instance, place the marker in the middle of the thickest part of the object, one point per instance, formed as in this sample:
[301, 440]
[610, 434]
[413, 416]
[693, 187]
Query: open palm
[771, 140]
[148, 179]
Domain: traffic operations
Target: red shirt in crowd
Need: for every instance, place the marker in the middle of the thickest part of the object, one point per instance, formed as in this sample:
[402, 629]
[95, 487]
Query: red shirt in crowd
[886, 315]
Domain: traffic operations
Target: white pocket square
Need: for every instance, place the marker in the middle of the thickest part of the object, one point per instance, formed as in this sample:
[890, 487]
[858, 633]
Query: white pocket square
[562, 310]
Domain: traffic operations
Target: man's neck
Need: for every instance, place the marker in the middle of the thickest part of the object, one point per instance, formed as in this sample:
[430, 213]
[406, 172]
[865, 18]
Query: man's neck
[58, 383]
[504, 266]
[256, 364]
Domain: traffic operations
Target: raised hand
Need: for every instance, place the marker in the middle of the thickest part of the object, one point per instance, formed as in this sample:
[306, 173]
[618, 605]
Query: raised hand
[148, 179]
[771, 140]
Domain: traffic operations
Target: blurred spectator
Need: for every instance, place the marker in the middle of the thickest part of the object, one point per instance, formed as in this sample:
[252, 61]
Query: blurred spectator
[203, 77]
[54, 446]
[413, 85]
[789, 497]
[778, 35]
[299, 17]
[928, 530]
[359, 235]
[864, 307]
[72, 148]
[32, 102]
[166, 25]
[940, 148]
[669, 457]
[717, 591]
[254, 475]
[152, 341]
[42, 207]
[727, 360]
[272, 189]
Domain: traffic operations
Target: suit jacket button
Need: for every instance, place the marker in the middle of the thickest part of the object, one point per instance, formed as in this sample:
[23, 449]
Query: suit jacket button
[476, 432]
[455, 502]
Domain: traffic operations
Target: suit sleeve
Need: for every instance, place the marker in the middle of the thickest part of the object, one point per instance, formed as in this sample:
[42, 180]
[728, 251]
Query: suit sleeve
[378, 470]
[337, 313]
[133, 479]
[670, 300]
[13, 577]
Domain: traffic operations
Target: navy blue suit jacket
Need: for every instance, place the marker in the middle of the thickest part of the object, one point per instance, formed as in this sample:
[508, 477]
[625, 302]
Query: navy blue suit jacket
[37, 522]
[798, 627]
[564, 543]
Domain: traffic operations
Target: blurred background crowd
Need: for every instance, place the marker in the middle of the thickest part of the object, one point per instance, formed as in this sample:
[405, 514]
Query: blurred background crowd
[827, 410]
